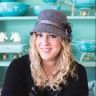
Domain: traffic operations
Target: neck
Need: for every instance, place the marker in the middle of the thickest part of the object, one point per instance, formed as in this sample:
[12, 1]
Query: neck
[48, 64]
[49, 68]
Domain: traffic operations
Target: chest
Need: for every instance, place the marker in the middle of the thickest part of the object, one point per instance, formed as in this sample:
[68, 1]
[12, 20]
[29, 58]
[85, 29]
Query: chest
[70, 90]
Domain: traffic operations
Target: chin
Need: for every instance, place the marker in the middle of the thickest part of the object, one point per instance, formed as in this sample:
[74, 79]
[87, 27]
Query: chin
[45, 58]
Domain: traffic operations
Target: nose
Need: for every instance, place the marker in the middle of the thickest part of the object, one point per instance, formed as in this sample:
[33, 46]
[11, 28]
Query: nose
[45, 40]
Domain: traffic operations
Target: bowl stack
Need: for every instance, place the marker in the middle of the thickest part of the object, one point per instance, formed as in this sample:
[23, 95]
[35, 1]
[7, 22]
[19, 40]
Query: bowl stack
[49, 1]
[12, 8]
[87, 49]
[7, 1]
[48, 4]
[84, 6]
[37, 9]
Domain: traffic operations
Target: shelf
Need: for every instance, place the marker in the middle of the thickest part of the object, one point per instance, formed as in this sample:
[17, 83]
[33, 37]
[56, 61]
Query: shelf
[81, 17]
[18, 18]
[88, 64]
[12, 47]
[4, 63]
[35, 17]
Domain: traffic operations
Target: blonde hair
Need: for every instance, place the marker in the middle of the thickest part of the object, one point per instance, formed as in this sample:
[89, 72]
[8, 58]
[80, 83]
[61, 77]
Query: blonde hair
[65, 65]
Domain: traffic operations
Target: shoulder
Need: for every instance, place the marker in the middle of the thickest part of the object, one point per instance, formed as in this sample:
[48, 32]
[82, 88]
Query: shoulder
[80, 70]
[79, 67]
[19, 63]
[24, 58]
[15, 77]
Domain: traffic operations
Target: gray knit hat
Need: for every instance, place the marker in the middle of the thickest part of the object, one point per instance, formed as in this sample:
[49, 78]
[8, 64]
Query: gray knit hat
[52, 21]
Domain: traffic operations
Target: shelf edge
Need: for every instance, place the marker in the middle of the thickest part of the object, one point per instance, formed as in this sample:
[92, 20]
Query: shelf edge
[88, 64]
[35, 18]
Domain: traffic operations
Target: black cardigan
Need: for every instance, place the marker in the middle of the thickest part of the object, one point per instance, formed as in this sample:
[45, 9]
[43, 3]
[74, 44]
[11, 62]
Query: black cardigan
[18, 82]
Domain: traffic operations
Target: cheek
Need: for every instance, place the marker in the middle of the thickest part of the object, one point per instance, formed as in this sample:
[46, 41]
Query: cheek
[57, 46]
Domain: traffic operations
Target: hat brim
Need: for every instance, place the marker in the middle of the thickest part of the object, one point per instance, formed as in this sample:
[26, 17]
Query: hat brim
[40, 27]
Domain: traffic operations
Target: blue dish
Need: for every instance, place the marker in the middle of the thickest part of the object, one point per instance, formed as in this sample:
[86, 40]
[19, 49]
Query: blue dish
[86, 46]
[84, 3]
[12, 8]
[38, 9]
[7, 0]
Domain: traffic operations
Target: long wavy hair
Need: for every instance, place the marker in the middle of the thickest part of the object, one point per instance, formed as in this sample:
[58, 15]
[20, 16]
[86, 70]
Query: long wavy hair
[65, 65]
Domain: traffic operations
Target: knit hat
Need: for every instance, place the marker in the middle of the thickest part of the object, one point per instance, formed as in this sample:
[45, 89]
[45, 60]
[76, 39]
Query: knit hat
[51, 21]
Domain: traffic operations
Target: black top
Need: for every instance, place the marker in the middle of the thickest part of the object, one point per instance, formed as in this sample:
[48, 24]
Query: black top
[18, 82]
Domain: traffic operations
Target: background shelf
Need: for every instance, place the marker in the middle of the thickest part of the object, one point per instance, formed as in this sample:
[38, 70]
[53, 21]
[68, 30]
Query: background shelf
[4, 63]
[88, 64]
[35, 17]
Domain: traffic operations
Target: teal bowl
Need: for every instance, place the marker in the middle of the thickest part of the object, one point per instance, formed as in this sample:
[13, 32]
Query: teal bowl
[88, 46]
[7, 0]
[49, 1]
[13, 8]
[84, 3]
[38, 9]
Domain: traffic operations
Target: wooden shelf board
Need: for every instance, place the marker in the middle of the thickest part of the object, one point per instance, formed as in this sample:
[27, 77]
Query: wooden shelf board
[18, 18]
[81, 17]
[4, 63]
[35, 17]
[88, 64]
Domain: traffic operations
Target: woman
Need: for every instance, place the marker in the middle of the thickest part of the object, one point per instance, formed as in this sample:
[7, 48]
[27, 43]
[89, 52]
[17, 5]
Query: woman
[49, 69]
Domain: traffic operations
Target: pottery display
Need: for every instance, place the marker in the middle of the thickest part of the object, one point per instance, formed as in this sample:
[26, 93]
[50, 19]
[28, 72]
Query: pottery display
[3, 37]
[84, 3]
[38, 9]
[12, 8]
[49, 1]
[87, 49]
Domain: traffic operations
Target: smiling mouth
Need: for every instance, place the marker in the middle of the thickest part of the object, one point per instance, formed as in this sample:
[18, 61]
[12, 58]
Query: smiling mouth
[46, 49]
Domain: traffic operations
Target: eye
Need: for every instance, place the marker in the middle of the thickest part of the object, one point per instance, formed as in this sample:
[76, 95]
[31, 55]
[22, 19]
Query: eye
[39, 35]
[52, 36]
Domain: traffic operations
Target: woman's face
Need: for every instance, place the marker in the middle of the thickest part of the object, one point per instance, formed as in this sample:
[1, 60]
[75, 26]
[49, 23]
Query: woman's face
[48, 45]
